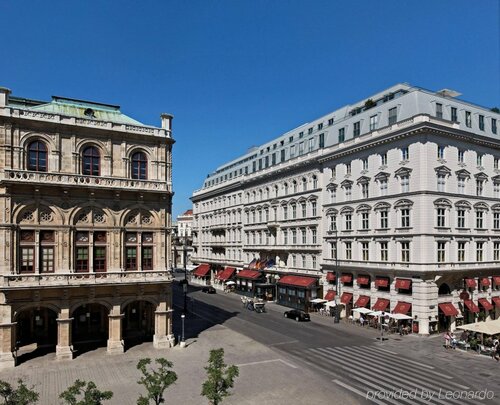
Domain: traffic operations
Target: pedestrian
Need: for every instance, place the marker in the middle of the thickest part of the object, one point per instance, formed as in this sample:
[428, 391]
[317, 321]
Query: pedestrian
[453, 341]
[495, 351]
[447, 339]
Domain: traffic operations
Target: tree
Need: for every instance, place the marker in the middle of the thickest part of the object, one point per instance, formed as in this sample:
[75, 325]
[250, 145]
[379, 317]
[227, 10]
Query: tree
[155, 381]
[220, 377]
[22, 395]
[91, 395]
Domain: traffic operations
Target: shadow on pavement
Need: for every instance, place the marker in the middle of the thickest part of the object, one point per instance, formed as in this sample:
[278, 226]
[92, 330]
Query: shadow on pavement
[24, 356]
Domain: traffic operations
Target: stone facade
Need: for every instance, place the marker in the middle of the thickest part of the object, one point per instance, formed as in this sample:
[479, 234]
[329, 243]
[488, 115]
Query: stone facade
[403, 185]
[85, 207]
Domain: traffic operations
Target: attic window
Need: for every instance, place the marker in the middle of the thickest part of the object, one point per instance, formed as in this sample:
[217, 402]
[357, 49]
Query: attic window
[89, 112]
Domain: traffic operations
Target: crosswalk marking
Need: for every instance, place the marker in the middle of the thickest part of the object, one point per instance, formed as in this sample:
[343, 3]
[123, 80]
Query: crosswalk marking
[405, 379]
[366, 369]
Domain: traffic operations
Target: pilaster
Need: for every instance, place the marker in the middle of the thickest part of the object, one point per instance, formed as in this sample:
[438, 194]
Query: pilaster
[64, 347]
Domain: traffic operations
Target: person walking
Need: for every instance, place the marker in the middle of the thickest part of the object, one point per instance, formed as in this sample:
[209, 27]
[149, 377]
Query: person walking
[495, 351]
[447, 339]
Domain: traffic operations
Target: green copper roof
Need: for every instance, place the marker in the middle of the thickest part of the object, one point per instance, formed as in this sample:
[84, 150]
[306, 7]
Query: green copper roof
[78, 108]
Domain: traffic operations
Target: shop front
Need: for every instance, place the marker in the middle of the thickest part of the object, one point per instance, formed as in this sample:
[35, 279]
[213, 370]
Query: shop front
[246, 281]
[446, 315]
[297, 291]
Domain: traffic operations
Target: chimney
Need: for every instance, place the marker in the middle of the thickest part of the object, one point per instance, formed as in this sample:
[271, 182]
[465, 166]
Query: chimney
[4, 96]
[166, 123]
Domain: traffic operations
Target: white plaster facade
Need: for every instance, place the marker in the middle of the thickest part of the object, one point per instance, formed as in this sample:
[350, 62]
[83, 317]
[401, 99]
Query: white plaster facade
[371, 179]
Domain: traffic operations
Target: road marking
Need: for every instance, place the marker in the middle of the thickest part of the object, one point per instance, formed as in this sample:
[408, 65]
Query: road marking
[398, 356]
[267, 361]
[387, 351]
[283, 343]
[356, 391]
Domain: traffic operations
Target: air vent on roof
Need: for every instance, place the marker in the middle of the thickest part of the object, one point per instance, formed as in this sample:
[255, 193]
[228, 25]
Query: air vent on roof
[448, 93]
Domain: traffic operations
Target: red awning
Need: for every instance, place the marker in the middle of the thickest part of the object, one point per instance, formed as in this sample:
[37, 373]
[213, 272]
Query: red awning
[226, 274]
[330, 276]
[381, 282]
[402, 308]
[485, 304]
[470, 282]
[298, 281]
[403, 283]
[202, 270]
[363, 280]
[346, 278]
[496, 280]
[448, 309]
[485, 281]
[362, 301]
[496, 300]
[346, 298]
[381, 304]
[471, 305]
[330, 295]
[251, 274]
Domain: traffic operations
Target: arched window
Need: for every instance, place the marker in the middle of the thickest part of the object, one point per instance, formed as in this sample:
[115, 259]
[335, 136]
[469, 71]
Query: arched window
[37, 156]
[139, 166]
[91, 161]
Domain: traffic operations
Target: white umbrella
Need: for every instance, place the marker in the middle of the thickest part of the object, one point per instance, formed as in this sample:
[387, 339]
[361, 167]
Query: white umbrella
[331, 304]
[230, 282]
[375, 313]
[362, 310]
[489, 327]
[317, 301]
[399, 316]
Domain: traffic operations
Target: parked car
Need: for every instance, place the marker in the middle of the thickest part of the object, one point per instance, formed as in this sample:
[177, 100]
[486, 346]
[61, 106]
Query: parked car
[297, 314]
[208, 289]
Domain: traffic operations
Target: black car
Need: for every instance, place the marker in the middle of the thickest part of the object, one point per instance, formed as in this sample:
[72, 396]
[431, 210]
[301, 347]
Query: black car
[208, 289]
[297, 314]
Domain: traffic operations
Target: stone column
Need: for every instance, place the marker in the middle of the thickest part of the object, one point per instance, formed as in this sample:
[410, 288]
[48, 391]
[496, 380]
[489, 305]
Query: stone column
[64, 348]
[7, 345]
[115, 342]
[163, 337]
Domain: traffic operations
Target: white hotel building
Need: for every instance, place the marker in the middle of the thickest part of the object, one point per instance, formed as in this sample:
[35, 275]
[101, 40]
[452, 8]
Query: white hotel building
[404, 186]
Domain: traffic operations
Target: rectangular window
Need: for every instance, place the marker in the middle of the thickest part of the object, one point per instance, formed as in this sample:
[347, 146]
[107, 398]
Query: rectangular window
[384, 251]
[479, 187]
[47, 260]
[330, 121]
[273, 159]
[341, 135]
[260, 164]
[496, 190]
[440, 152]
[461, 251]
[479, 219]
[405, 217]
[82, 259]
[439, 110]
[365, 222]
[461, 185]
[441, 216]
[365, 164]
[333, 223]
[461, 218]
[453, 114]
[131, 258]
[321, 140]
[405, 252]
[292, 151]
[405, 183]
[333, 195]
[282, 152]
[383, 159]
[356, 129]
[348, 222]
[320, 126]
[393, 115]
[441, 252]
[314, 234]
[364, 190]
[301, 148]
[384, 219]
[494, 125]
[383, 187]
[27, 260]
[460, 156]
[496, 251]
[479, 160]
[147, 258]
[314, 208]
[348, 193]
[365, 251]
[285, 237]
[479, 251]
[441, 182]
[496, 220]
[333, 250]
[304, 236]
[294, 211]
[313, 262]
[310, 130]
[373, 122]
[99, 258]
[348, 168]
[285, 212]
[468, 119]
[303, 210]
[348, 250]
[481, 122]
[405, 153]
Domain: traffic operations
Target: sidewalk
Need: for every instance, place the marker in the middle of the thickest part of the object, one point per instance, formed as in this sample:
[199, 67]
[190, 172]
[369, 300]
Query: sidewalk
[264, 377]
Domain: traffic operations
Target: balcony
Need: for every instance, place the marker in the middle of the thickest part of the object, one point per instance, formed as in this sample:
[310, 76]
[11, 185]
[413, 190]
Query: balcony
[78, 180]
[21, 281]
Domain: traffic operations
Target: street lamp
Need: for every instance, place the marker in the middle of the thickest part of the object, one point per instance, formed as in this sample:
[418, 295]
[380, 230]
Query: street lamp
[337, 309]
[185, 284]
[183, 342]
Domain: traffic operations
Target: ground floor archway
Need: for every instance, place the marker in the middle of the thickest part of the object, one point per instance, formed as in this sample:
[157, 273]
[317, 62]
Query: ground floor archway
[138, 323]
[36, 325]
[89, 327]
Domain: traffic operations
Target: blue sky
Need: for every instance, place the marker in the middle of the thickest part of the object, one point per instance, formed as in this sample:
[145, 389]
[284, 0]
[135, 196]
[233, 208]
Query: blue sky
[239, 73]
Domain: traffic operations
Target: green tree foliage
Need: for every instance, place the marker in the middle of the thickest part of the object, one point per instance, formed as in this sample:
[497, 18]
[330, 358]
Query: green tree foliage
[220, 378]
[88, 392]
[155, 381]
[21, 395]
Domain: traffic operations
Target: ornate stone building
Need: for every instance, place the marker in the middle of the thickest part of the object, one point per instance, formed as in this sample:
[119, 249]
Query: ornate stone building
[390, 204]
[85, 209]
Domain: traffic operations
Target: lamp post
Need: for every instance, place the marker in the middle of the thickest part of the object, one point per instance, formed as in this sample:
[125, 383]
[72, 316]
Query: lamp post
[337, 309]
[183, 342]
[185, 285]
